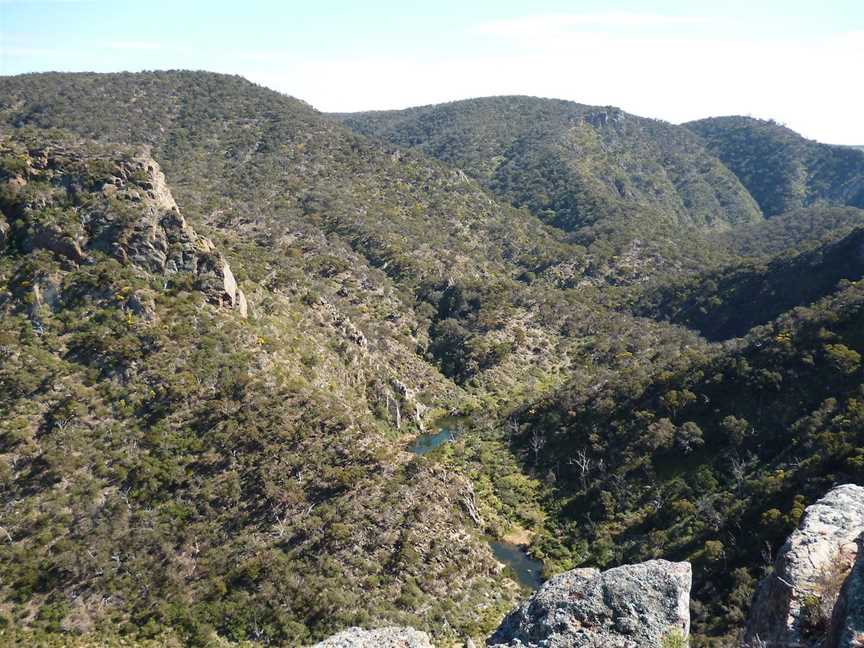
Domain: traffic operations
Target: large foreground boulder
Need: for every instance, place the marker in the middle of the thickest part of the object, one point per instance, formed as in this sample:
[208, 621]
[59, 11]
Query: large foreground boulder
[794, 605]
[635, 606]
[393, 637]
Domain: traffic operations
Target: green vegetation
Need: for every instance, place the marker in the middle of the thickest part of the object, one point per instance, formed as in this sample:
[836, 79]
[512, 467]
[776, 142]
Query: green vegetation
[173, 473]
[168, 466]
[778, 419]
[797, 230]
[674, 640]
[782, 170]
[728, 302]
[633, 191]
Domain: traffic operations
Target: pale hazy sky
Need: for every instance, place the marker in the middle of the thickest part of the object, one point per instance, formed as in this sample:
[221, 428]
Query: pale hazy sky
[797, 61]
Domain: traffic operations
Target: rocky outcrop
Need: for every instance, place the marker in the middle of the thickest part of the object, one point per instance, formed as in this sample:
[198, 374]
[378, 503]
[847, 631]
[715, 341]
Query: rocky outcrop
[53, 239]
[792, 606]
[4, 232]
[75, 205]
[393, 637]
[159, 239]
[344, 324]
[407, 402]
[847, 622]
[635, 606]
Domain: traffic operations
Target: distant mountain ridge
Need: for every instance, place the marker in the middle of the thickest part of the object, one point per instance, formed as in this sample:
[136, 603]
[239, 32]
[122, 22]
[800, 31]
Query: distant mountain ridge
[782, 169]
[607, 157]
[618, 183]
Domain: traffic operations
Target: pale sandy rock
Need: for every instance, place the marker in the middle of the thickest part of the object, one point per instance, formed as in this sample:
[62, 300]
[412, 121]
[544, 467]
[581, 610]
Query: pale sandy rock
[393, 637]
[825, 542]
[847, 622]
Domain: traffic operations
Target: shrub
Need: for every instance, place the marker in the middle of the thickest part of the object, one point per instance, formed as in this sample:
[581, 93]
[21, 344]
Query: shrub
[818, 605]
[674, 639]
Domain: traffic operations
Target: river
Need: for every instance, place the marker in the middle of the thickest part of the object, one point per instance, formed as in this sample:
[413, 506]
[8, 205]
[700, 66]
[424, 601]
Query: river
[527, 571]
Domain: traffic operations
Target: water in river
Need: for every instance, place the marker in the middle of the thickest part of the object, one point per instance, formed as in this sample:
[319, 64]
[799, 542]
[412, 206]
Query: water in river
[526, 570]
[446, 429]
[426, 443]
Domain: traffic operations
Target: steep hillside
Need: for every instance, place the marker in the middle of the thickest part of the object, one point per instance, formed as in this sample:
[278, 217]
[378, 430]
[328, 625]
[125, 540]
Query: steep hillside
[582, 161]
[711, 462]
[175, 458]
[783, 170]
[497, 300]
[291, 193]
[610, 177]
[221, 137]
[728, 302]
[250, 467]
[797, 230]
[204, 402]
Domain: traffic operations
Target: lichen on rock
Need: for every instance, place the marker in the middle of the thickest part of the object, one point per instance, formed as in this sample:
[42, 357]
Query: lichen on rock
[633, 606]
[392, 637]
[793, 603]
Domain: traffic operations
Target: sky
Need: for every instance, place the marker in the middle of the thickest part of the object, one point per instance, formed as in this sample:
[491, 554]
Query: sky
[796, 61]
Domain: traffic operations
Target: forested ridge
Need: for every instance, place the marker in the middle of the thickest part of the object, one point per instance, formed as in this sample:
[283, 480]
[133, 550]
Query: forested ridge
[633, 191]
[224, 316]
[781, 169]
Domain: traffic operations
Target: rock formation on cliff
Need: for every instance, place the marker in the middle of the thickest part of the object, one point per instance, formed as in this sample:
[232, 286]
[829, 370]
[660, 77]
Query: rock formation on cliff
[847, 622]
[794, 605]
[76, 204]
[633, 606]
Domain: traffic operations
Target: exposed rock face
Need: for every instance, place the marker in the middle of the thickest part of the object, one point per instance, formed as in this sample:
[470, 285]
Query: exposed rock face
[123, 209]
[160, 240]
[344, 323]
[634, 606]
[808, 573]
[394, 637]
[409, 403]
[53, 239]
[847, 623]
[4, 232]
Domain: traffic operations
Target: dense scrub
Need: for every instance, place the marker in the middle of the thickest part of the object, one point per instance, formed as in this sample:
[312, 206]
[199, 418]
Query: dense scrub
[288, 194]
[793, 231]
[782, 170]
[383, 287]
[712, 462]
[728, 302]
[632, 190]
[178, 464]
[166, 465]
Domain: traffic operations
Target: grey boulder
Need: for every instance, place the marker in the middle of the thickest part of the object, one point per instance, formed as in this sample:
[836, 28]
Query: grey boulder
[792, 602]
[634, 606]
